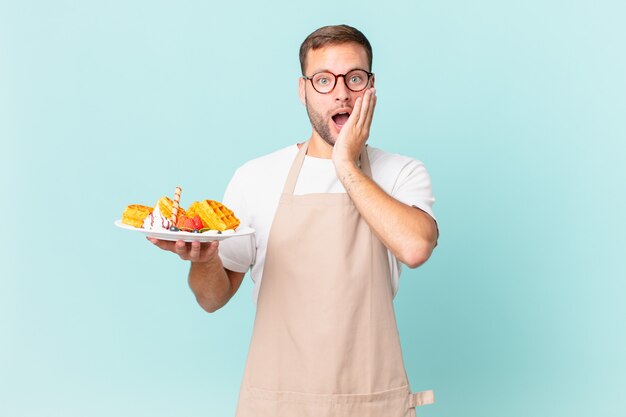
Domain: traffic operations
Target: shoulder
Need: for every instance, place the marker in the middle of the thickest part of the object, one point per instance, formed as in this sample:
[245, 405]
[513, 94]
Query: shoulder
[387, 164]
[262, 175]
[402, 177]
[269, 163]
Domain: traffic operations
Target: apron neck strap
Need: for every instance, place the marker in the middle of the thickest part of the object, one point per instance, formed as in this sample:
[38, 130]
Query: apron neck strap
[292, 177]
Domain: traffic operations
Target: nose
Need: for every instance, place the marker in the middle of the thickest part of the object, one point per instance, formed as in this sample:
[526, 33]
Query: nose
[342, 93]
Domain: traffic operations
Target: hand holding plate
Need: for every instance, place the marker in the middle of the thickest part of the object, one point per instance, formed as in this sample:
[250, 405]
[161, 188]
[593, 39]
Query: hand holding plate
[189, 251]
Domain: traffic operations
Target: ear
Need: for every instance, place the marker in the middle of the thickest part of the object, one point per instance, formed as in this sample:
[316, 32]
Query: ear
[372, 81]
[302, 90]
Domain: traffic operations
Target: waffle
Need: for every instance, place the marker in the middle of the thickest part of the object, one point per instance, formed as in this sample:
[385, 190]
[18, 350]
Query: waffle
[135, 214]
[214, 215]
[165, 206]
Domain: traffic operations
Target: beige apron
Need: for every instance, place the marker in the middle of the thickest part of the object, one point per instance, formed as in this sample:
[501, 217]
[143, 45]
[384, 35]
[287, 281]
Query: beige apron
[325, 341]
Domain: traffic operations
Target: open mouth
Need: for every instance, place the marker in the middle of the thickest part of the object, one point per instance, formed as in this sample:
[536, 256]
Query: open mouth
[340, 119]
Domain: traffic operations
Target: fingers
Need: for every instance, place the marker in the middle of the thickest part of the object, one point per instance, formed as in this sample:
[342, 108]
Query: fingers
[355, 132]
[209, 250]
[367, 108]
[194, 252]
[189, 251]
[363, 110]
[202, 252]
[162, 244]
[180, 248]
[367, 119]
[356, 111]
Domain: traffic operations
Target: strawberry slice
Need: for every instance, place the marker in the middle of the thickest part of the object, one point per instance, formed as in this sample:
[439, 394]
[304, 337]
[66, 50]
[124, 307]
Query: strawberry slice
[181, 221]
[185, 223]
[197, 222]
[189, 224]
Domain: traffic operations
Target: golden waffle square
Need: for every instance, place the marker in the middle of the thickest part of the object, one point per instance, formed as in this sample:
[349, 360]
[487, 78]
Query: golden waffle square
[165, 206]
[135, 214]
[214, 215]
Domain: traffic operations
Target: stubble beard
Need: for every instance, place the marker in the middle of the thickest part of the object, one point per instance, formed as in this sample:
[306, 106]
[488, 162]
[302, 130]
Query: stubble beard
[320, 124]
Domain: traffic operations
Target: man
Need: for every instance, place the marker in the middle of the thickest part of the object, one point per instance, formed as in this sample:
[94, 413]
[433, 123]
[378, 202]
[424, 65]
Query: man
[333, 217]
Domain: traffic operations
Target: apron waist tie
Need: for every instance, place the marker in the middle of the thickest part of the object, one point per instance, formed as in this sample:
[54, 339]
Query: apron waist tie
[417, 399]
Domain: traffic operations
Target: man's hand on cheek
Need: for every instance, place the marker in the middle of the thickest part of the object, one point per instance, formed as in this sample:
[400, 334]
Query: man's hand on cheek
[355, 132]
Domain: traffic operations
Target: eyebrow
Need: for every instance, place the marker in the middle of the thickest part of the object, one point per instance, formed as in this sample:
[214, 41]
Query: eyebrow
[350, 70]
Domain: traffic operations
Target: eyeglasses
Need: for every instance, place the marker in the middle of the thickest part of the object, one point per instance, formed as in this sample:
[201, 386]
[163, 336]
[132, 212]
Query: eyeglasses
[325, 82]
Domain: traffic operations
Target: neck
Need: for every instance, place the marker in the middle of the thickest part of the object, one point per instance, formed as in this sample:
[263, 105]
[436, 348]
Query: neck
[319, 148]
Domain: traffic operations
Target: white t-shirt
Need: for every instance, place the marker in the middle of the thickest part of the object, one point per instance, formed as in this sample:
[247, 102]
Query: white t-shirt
[254, 191]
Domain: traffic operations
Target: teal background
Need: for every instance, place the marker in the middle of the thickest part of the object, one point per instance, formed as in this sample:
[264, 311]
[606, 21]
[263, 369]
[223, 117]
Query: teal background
[517, 109]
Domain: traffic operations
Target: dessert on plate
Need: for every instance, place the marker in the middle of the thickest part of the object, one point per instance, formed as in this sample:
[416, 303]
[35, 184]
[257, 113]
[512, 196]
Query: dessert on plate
[207, 216]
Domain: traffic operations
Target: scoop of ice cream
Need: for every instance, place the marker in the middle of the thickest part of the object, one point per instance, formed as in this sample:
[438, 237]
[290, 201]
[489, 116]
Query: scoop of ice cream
[156, 220]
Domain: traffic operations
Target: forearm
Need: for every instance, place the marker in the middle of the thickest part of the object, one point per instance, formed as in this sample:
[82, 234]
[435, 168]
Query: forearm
[210, 284]
[409, 233]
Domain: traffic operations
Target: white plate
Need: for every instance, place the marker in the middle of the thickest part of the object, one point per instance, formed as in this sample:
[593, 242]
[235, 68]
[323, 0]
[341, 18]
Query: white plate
[186, 236]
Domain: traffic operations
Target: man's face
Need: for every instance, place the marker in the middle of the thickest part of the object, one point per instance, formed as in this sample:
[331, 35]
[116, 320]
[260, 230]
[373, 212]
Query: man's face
[329, 112]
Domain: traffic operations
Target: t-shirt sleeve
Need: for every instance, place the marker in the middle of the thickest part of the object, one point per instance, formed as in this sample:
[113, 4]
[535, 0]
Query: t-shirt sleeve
[237, 253]
[414, 187]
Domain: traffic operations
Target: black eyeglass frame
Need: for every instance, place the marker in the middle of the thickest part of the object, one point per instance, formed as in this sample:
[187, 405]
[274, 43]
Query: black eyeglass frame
[369, 77]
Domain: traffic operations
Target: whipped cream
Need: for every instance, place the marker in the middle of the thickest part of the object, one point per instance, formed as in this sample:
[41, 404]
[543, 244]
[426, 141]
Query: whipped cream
[156, 221]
